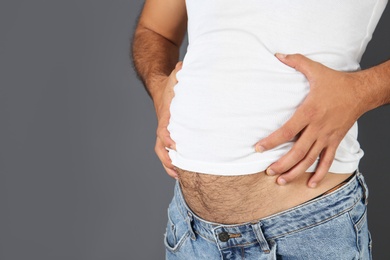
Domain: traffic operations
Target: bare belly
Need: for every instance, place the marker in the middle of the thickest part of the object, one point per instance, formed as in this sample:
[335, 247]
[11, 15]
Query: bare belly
[239, 199]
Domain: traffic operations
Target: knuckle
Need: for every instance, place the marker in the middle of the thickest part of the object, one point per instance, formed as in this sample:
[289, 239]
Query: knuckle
[312, 112]
[159, 131]
[326, 138]
[162, 133]
[293, 57]
[327, 162]
[288, 133]
[299, 153]
[167, 141]
[298, 55]
[311, 159]
[278, 166]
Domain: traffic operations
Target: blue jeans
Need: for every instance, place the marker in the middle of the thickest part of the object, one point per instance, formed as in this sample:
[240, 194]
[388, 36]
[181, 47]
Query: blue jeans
[330, 227]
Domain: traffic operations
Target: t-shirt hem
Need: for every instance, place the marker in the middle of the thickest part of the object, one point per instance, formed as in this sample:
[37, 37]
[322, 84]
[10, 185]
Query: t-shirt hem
[231, 169]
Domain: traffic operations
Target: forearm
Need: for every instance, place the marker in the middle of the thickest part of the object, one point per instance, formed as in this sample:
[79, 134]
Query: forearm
[154, 58]
[375, 83]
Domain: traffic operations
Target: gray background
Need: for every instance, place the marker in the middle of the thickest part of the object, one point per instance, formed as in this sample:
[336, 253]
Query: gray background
[78, 175]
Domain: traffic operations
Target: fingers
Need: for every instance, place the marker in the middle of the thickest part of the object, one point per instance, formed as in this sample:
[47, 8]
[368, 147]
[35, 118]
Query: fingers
[178, 67]
[164, 139]
[303, 114]
[162, 154]
[302, 150]
[322, 113]
[299, 62]
[285, 133]
[327, 157]
[171, 172]
[164, 136]
[302, 166]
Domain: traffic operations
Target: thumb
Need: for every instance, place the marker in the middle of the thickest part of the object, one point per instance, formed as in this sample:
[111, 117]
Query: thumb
[298, 62]
[178, 67]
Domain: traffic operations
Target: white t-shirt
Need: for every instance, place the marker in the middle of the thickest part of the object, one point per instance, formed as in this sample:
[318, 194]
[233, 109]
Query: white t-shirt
[233, 92]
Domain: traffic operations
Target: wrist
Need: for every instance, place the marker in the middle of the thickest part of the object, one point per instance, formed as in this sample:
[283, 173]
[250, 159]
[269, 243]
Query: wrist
[157, 85]
[375, 85]
[365, 101]
[370, 89]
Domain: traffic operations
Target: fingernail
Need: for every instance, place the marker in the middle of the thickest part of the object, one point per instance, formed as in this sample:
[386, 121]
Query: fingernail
[312, 184]
[260, 149]
[282, 181]
[270, 172]
[280, 55]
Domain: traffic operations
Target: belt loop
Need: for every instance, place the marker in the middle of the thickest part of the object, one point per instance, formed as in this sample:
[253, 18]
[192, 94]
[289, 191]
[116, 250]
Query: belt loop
[189, 220]
[362, 182]
[260, 237]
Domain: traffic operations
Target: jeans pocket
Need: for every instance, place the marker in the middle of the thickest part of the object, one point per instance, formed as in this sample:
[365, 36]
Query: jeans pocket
[177, 231]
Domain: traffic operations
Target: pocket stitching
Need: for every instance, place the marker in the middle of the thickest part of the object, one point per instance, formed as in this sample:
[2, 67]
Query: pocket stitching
[179, 243]
[172, 229]
[358, 226]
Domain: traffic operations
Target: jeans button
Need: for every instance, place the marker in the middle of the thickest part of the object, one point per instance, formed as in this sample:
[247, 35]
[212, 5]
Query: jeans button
[224, 236]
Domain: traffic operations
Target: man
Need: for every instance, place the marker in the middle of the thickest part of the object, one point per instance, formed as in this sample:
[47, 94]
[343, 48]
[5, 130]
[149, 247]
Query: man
[263, 146]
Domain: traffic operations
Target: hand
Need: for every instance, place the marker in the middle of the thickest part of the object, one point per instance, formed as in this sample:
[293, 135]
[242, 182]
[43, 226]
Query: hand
[162, 103]
[330, 109]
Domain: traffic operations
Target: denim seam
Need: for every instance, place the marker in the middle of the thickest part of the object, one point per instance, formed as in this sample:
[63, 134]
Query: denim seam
[362, 220]
[316, 224]
[204, 237]
[179, 244]
[178, 209]
[365, 188]
[356, 232]
[370, 244]
[169, 218]
[311, 201]
[240, 245]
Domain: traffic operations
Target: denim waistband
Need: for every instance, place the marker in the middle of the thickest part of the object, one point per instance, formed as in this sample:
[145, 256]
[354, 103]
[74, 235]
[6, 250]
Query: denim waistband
[303, 216]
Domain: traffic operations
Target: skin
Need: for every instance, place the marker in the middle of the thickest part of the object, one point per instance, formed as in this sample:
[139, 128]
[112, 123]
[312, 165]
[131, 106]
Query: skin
[335, 101]
[157, 39]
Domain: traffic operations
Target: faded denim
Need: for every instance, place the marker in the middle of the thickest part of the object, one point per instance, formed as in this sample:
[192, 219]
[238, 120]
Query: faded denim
[330, 227]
